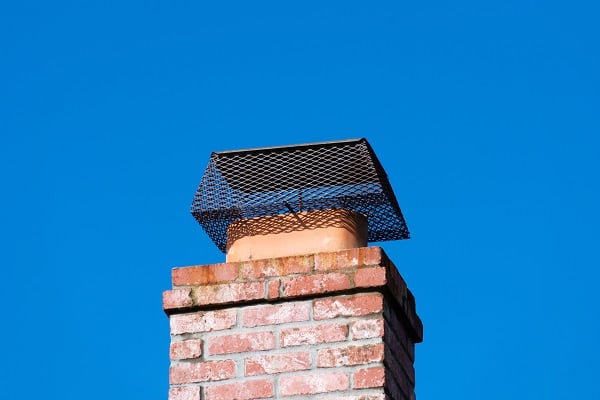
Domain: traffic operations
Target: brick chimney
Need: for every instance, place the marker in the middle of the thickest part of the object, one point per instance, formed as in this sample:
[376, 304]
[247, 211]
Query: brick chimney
[301, 308]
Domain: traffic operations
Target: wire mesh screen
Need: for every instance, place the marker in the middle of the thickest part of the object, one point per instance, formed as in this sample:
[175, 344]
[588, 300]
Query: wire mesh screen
[245, 184]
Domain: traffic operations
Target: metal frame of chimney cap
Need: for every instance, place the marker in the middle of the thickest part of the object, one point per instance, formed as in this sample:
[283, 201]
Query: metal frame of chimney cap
[244, 184]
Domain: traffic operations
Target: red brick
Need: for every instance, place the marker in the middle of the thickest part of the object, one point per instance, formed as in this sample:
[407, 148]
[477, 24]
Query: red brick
[348, 306]
[314, 334]
[369, 378]
[229, 293]
[251, 389]
[186, 349]
[202, 321]
[204, 274]
[337, 260]
[184, 393]
[276, 314]
[313, 383]
[273, 289]
[238, 343]
[370, 277]
[372, 255]
[315, 284]
[350, 258]
[190, 372]
[177, 298]
[275, 267]
[367, 328]
[276, 363]
[351, 355]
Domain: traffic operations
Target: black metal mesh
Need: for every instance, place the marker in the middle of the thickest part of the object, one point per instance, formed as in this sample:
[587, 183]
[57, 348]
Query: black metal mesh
[253, 183]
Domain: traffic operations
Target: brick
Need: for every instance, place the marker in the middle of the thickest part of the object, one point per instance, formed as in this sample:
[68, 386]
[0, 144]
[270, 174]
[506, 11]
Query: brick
[370, 277]
[367, 328]
[276, 363]
[276, 314]
[374, 255]
[399, 363]
[399, 329]
[251, 389]
[405, 300]
[399, 388]
[347, 306]
[351, 367]
[343, 259]
[315, 334]
[350, 355]
[184, 393]
[315, 284]
[202, 321]
[350, 258]
[177, 298]
[242, 342]
[190, 372]
[313, 383]
[204, 274]
[369, 378]
[271, 267]
[273, 289]
[186, 349]
[229, 293]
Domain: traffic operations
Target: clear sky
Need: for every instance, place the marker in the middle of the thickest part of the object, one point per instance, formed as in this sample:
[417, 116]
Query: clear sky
[485, 115]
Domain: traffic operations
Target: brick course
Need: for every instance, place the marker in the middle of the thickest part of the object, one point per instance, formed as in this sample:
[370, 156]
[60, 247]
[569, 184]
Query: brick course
[336, 326]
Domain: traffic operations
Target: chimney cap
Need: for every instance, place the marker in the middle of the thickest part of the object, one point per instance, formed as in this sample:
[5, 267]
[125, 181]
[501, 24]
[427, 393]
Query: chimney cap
[258, 182]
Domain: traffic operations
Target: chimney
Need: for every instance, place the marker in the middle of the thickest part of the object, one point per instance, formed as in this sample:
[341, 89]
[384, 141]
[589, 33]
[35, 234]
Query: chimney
[301, 308]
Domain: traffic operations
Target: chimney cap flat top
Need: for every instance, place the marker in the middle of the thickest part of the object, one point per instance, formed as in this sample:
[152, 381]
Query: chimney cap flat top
[259, 182]
[288, 147]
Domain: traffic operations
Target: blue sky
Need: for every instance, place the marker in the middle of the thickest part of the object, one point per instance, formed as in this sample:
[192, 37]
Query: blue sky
[484, 114]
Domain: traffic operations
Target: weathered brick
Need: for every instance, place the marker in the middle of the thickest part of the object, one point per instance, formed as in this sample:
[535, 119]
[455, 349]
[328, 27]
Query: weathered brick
[276, 314]
[347, 306]
[350, 258]
[250, 389]
[275, 267]
[350, 355]
[190, 372]
[315, 284]
[374, 255]
[237, 343]
[313, 334]
[184, 393]
[186, 349]
[202, 321]
[204, 274]
[229, 293]
[347, 370]
[367, 328]
[177, 298]
[273, 288]
[276, 363]
[337, 260]
[370, 277]
[321, 382]
[369, 378]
